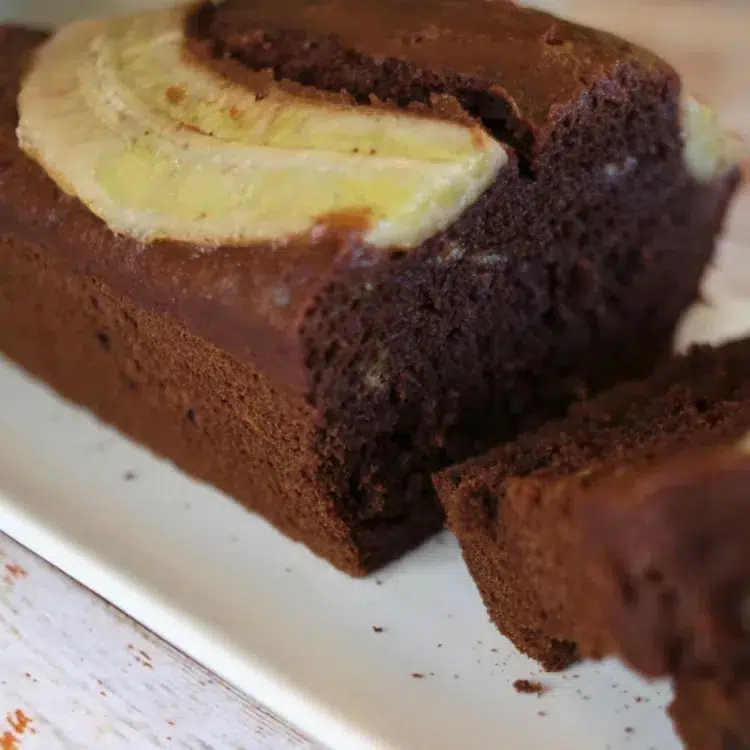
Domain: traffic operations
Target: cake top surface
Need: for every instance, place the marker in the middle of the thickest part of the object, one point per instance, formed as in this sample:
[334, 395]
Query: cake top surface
[536, 59]
[691, 404]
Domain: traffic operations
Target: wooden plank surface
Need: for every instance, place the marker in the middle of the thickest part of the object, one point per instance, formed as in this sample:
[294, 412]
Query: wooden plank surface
[76, 674]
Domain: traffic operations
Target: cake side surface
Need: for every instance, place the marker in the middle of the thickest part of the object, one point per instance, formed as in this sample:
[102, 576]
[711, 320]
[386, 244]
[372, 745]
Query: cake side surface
[409, 359]
[221, 420]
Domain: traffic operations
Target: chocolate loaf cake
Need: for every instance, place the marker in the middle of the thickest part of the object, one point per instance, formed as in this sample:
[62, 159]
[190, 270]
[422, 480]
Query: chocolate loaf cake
[315, 251]
[624, 529]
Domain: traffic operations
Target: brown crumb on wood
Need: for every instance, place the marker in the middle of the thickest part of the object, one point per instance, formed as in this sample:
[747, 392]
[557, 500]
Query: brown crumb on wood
[19, 721]
[16, 571]
[528, 687]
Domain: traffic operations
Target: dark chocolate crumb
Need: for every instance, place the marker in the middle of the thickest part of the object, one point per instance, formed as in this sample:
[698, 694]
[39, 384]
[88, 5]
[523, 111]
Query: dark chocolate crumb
[377, 629]
[417, 676]
[541, 713]
[529, 688]
[629, 730]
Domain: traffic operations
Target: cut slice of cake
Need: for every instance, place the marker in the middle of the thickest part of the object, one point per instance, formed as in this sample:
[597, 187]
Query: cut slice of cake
[712, 715]
[315, 251]
[624, 529]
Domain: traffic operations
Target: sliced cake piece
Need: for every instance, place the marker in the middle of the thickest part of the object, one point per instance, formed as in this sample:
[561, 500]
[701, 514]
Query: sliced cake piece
[315, 251]
[625, 529]
[713, 715]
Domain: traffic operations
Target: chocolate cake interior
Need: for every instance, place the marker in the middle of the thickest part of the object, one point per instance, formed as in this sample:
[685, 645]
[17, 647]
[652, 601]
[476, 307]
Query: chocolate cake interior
[550, 286]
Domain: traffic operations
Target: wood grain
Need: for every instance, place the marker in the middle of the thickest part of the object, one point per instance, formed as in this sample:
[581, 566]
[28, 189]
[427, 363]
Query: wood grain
[77, 674]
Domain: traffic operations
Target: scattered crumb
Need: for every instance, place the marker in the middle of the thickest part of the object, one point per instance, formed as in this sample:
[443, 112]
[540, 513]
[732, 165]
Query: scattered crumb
[8, 742]
[432, 674]
[493, 650]
[378, 582]
[629, 730]
[377, 629]
[417, 675]
[19, 721]
[287, 570]
[541, 713]
[16, 571]
[529, 688]
[129, 476]
[440, 645]
[171, 723]
[455, 676]
[103, 694]
[639, 699]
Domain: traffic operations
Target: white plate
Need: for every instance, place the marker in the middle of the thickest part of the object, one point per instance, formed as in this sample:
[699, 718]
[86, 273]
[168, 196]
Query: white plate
[281, 625]
[276, 622]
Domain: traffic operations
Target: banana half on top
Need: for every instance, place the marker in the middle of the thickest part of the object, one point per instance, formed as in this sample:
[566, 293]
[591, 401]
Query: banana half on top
[159, 146]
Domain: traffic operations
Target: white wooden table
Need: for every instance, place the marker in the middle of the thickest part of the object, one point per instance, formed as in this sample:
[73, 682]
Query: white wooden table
[75, 673]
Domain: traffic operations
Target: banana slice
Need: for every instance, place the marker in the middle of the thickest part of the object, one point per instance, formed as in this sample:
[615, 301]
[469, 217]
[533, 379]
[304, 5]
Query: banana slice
[159, 146]
[709, 148]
